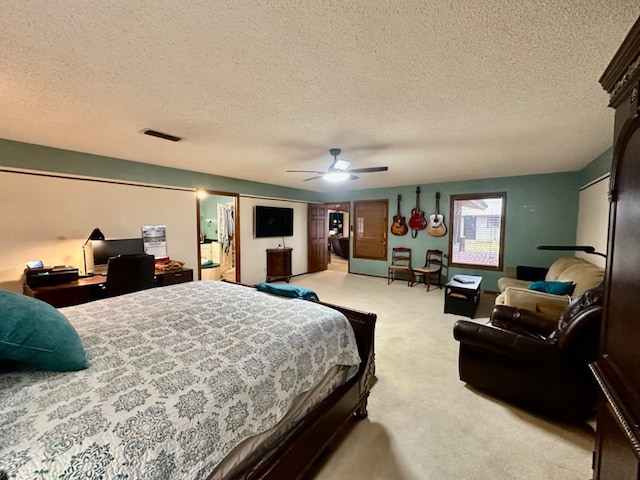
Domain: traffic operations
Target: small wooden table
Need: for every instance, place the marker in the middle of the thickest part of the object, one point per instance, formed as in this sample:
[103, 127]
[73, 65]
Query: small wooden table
[462, 295]
[279, 264]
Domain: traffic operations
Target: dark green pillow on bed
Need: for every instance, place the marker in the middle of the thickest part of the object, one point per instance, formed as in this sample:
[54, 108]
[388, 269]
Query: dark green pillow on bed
[287, 291]
[34, 333]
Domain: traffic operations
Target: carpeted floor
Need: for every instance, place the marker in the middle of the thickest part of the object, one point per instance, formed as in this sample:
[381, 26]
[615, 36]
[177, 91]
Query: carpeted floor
[425, 424]
[338, 264]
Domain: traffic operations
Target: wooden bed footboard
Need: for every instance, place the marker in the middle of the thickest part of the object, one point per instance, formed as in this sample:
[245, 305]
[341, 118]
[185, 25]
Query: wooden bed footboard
[296, 455]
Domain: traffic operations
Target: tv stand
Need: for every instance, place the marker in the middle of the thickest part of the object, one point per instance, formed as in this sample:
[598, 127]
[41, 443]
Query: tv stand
[279, 264]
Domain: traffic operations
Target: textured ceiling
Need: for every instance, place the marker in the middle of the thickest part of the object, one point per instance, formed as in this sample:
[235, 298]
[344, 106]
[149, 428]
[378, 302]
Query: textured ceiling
[438, 91]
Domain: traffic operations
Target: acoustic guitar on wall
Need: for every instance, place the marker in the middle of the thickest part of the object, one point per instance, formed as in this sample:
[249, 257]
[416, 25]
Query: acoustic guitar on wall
[399, 225]
[436, 226]
[417, 220]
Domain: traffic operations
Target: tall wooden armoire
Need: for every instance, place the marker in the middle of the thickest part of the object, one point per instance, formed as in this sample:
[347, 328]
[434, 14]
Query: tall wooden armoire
[617, 370]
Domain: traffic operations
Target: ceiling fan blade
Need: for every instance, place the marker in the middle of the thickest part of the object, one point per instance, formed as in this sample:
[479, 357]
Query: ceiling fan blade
[352, 177]
[369, 169]
[305, 171]
[312, 178]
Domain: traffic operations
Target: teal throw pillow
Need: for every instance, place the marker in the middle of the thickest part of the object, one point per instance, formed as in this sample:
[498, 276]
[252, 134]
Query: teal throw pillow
[287, 291]
[555, 288]
[34, 333]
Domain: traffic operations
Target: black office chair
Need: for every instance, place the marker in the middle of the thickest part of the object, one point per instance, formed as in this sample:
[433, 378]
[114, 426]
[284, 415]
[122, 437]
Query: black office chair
[129, 273]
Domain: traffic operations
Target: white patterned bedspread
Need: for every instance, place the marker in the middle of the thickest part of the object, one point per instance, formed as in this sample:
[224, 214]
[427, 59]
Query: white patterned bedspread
[177, 377]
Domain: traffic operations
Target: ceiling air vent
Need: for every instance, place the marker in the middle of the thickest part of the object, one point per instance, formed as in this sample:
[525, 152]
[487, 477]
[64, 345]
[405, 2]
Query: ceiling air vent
[166, 136]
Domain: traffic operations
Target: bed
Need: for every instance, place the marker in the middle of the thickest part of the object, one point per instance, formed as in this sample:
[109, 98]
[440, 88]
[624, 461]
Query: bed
[208, 380]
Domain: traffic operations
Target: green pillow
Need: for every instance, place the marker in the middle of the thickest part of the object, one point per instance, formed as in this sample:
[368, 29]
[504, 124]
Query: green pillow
[287, 291]
[556, 288]
[34, 333]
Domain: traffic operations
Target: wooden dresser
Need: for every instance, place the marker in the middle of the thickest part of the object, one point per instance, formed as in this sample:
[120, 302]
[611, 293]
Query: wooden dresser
[617, 452]
[278, 264]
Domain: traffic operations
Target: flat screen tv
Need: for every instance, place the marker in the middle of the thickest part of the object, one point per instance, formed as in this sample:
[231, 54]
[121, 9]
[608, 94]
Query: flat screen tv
[273, 221]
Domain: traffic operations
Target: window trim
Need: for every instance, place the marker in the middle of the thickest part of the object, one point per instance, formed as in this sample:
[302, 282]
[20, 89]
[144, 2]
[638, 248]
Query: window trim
[475, 196]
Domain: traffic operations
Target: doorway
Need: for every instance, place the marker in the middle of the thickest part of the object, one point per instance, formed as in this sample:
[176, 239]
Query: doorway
[339, 237]
[218, 242]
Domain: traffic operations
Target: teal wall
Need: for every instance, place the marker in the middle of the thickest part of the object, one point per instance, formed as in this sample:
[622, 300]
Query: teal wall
[541, 209]
[36, 157]
[600, 166]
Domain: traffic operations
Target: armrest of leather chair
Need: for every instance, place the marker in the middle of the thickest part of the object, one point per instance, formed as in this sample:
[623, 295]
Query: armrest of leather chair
[580, 335]
[506, 343]
[532, 299]
[508, 317]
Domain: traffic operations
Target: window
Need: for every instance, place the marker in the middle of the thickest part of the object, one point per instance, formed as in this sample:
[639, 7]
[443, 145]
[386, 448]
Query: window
[370, 229]
[476, 237]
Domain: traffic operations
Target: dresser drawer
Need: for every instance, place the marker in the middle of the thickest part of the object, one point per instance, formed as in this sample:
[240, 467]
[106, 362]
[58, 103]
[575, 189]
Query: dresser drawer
[171, 278]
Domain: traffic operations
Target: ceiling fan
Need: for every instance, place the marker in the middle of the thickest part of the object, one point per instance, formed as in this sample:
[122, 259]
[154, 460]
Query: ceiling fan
[338, 170]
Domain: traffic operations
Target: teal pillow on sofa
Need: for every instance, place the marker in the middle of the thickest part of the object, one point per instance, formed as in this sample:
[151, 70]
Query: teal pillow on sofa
[556, 288]
[34, 333]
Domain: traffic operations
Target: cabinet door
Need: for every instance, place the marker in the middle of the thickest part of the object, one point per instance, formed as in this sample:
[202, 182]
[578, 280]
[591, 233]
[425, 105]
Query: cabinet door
[618, 449]
[278, 264]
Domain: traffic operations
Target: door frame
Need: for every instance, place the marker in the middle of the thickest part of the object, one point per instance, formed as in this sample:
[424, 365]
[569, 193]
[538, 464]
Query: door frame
[200, 193]
[346, 207]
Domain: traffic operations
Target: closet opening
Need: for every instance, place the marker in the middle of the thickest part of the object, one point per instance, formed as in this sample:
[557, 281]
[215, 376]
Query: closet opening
[218, 235]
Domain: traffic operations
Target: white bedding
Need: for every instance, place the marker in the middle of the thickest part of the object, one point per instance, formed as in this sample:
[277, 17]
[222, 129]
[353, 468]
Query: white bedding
[177, 377]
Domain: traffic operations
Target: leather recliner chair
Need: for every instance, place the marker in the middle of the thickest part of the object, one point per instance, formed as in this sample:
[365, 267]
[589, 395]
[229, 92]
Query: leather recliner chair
[534, 361]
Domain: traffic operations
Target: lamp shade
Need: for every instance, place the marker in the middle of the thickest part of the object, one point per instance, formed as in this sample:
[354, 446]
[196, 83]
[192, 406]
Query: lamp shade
[573, 248]
[96, 234]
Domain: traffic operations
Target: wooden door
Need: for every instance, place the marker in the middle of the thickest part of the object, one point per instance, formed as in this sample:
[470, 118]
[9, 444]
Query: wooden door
[317, 240]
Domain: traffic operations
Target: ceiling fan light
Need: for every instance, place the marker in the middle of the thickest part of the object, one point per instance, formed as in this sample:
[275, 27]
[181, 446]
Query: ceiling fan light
[336, 176]
[341, 164]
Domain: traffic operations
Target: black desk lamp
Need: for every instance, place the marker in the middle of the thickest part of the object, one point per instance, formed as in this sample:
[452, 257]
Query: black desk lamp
[95, 235]
[573, 248]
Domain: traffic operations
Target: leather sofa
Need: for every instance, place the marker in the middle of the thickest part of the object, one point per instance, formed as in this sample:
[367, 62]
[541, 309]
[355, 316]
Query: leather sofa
[513, 286]
[533, 361]
[340, 245]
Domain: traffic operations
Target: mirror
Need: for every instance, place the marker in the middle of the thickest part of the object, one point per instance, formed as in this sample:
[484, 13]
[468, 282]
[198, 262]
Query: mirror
[218, 238]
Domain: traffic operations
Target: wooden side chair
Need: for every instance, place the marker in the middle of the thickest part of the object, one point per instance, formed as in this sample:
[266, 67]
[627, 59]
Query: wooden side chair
[400, 262]
[432, 266]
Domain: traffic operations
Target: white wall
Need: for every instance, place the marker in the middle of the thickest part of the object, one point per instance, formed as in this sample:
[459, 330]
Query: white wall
[593, 219]
[253, 263]
[49, 218]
